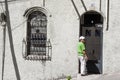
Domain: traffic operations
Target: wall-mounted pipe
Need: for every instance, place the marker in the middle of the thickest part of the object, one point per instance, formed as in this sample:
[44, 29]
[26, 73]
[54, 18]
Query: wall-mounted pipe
[11, 41]
[108, 7]
[75, 8]
[3, 57]
[100, 5]
[43, 3]
[84, 5]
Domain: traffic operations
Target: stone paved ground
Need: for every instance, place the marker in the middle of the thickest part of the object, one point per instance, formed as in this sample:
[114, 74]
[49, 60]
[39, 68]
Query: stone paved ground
[88, 77]
[114, 76]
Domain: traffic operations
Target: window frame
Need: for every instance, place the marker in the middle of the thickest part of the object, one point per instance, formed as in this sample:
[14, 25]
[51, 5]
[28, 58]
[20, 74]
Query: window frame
[48, 52]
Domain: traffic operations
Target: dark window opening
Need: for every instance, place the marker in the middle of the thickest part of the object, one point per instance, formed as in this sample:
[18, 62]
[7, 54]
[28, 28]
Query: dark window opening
[97, 33]
[88, 33]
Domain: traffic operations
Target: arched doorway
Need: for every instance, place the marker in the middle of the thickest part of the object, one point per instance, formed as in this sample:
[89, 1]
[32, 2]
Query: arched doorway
[92, 28]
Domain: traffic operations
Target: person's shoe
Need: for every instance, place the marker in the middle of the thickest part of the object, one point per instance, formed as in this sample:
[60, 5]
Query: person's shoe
[83, 74]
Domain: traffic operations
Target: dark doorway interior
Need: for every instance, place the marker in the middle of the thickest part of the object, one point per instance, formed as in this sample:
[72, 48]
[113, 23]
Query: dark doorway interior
[91, 27]
[90, 19]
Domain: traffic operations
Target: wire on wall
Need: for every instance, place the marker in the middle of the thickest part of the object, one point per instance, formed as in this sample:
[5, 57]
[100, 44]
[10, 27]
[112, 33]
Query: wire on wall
[19, 25]
[10, 1]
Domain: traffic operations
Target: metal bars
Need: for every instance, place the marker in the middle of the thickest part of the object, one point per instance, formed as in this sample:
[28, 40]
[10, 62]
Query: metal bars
[37, 47]
[37, 53]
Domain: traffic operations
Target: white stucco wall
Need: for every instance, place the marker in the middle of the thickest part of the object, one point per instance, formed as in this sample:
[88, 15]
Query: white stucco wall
[63, 31]
[111, 40]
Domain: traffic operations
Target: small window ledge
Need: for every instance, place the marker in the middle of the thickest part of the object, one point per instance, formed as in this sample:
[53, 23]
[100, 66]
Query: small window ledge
[38, 57]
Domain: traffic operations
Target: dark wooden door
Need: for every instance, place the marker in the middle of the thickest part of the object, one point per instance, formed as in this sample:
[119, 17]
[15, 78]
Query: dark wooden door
[93, 35]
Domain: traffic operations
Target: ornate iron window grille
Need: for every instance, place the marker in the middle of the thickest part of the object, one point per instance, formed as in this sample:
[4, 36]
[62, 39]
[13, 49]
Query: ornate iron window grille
[36, 46]
[47, 55]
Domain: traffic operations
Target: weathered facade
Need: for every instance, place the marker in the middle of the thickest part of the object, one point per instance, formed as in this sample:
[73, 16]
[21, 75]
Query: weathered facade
[46, 32]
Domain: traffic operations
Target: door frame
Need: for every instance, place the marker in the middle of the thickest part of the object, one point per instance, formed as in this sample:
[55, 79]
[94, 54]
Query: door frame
[101, 46]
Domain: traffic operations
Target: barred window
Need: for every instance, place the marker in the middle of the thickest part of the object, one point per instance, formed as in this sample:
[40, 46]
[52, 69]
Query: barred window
[36, 33]
[37, 46]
